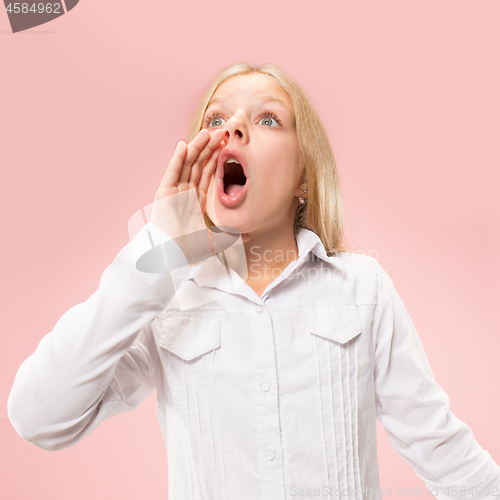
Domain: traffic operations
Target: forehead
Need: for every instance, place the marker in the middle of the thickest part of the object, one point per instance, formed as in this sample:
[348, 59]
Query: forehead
[253, 86]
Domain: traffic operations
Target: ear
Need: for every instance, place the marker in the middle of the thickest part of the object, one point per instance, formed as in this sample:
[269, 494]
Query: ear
[300, 191]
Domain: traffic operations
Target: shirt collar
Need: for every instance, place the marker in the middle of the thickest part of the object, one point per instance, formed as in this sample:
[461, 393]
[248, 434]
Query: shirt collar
[211, 272]
[308, 241]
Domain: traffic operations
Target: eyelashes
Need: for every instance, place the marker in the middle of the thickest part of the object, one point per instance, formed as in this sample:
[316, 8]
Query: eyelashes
[266, 114]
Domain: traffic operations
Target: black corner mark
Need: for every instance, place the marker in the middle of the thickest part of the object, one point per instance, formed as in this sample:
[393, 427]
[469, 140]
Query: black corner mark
[28, 14]
[70, 4]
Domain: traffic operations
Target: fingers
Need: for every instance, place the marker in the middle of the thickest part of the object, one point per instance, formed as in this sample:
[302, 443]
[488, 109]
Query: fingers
[199, 150]
[186, 164]
[209, 168]
[174, 167]
[194, 148]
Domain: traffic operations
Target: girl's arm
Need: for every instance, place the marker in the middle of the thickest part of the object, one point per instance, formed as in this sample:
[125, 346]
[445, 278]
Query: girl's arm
[100, 358]
[415, 412]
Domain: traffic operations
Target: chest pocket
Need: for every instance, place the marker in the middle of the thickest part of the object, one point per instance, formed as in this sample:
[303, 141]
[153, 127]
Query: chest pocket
[338, 322]
[188, 336]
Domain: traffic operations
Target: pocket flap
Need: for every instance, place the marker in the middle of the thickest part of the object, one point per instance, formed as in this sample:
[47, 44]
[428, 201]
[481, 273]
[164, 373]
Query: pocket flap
[190, 336]
[339, 322]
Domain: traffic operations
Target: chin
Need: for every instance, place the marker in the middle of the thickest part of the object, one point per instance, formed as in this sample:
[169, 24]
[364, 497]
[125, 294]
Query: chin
[231, 220]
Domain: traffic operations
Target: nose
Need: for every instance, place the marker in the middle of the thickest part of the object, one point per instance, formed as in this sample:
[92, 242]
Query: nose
[235, 129]
[228, 135]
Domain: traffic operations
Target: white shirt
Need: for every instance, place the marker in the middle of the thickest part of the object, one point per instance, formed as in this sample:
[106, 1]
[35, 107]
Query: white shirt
[258, 398]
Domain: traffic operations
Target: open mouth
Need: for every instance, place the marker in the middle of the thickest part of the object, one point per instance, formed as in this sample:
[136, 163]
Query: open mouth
[234, 178]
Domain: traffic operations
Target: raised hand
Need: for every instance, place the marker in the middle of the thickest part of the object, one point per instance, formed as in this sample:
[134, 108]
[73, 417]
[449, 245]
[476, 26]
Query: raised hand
[181, 198]
[192, 166]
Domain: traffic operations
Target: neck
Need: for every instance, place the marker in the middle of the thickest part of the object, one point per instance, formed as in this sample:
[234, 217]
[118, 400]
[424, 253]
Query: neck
[268, 253]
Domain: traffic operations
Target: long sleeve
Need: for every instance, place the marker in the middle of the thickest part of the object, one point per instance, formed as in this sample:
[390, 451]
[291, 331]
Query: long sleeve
[99, 360]
[415, 412]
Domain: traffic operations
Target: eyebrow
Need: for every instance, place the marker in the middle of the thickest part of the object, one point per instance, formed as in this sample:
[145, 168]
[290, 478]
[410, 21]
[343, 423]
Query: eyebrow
[264, 99]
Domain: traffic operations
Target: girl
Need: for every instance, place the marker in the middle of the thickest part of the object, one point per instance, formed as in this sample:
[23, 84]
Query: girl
[272, 353]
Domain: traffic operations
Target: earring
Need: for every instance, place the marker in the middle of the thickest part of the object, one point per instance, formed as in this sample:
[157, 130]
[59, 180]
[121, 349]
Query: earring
[301, 200]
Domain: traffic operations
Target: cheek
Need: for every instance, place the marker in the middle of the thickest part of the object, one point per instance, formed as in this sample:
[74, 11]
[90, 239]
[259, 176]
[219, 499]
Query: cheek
[287, 152]
[285, 167]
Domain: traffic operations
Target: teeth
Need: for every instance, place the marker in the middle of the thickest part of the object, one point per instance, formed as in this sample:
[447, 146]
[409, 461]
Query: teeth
[232, 160]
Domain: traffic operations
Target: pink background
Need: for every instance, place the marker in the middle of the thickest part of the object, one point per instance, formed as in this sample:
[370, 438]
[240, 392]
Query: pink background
[92, 105]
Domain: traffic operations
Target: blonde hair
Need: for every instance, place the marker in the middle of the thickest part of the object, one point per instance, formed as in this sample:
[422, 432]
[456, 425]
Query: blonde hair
[323, 211]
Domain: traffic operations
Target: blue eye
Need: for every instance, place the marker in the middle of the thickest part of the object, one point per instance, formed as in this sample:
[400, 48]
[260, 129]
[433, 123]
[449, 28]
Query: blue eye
[214, 118]
[268, 118]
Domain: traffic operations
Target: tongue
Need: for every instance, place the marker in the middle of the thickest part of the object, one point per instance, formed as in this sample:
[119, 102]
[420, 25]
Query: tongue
[233, 188]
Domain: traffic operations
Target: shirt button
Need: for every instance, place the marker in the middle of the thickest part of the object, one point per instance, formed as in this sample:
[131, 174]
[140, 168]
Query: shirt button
[265, 385]
[258, 308]
[270, 454]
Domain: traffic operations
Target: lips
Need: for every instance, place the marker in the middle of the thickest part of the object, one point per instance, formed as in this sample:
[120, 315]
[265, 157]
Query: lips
[234, 178]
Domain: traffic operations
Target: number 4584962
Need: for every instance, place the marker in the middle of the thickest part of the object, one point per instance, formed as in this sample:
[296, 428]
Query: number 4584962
[41, 8]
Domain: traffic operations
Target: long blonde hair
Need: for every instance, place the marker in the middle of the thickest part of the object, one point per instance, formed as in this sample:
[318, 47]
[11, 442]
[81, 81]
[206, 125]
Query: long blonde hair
[323, 212]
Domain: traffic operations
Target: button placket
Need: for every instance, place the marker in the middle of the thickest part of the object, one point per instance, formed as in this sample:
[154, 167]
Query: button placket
[266, 385]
